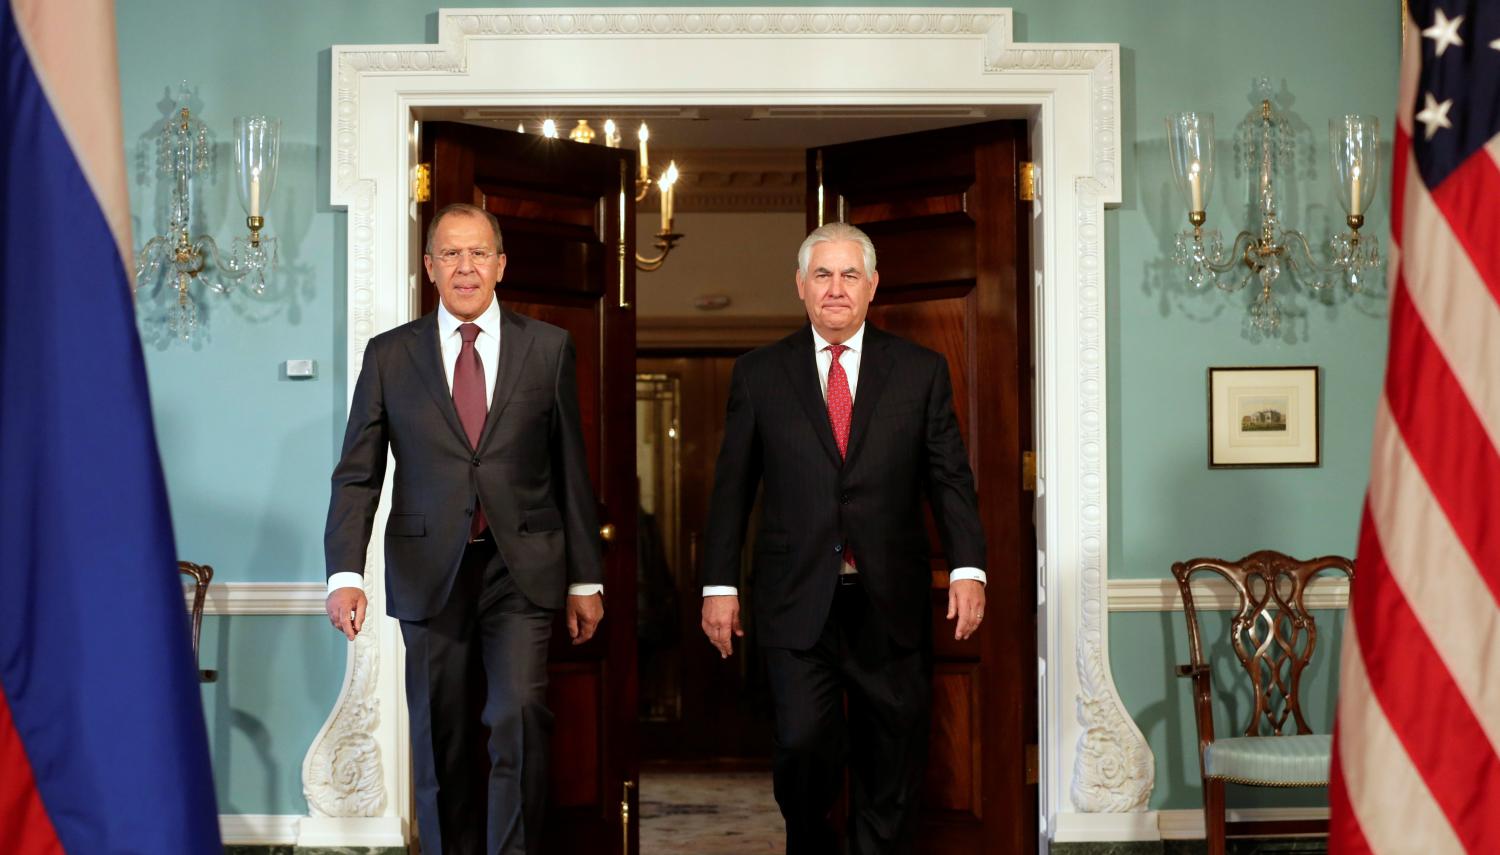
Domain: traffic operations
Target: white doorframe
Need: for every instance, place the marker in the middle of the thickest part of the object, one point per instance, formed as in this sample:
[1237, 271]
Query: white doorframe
[1097, 769]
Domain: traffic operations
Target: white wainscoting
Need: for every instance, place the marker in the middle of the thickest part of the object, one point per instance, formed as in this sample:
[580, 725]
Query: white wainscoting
[261, 598]
[1161, 595]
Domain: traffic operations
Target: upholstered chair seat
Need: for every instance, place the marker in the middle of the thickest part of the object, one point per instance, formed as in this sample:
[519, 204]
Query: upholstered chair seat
[1270, 761]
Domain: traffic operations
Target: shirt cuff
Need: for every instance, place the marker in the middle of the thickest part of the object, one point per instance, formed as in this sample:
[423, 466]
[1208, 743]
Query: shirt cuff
[968, 573]
[585, 589]
[720, 591]
[345, 579]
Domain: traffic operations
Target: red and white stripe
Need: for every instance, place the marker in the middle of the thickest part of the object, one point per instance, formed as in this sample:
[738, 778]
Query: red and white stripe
[1417, 742]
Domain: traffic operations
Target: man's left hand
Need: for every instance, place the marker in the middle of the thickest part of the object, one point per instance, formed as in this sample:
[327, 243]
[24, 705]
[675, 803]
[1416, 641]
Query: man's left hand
[965, 602]
[584, 614]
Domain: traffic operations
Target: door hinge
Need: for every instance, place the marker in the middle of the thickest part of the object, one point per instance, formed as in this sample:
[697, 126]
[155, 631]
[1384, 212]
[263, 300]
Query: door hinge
[1028, 181]
[625, 793]
[1028, 471]
[421, 182]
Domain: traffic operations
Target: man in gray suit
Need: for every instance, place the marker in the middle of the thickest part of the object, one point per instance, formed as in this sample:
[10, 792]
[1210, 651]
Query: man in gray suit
[493, 528]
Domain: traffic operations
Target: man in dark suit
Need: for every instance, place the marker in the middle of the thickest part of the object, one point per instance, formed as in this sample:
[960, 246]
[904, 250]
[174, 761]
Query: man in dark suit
[847, 427]
[492, 529]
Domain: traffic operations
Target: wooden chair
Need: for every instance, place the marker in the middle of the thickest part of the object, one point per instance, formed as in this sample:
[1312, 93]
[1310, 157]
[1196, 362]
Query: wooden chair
[1273, 636]
[202, 574]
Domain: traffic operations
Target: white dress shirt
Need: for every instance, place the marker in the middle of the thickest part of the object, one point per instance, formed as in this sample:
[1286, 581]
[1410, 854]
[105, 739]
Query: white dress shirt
[487, 345]
[849, 359]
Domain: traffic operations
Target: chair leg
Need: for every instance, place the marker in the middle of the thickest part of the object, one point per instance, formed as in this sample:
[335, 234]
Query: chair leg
[1213, 815]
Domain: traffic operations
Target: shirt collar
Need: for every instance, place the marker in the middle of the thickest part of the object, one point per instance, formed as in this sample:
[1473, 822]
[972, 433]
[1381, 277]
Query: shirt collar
[855, 342]
[488, 321]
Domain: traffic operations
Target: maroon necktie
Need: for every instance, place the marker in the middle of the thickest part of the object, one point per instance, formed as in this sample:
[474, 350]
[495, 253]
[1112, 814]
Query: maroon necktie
[840, 408]
[468, 399]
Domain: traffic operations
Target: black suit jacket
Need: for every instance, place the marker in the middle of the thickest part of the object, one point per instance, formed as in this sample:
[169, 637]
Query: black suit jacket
[904, 444]
[530, 471]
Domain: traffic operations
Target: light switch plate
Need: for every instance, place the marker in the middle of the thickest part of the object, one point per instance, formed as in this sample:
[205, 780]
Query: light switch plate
[301, 369]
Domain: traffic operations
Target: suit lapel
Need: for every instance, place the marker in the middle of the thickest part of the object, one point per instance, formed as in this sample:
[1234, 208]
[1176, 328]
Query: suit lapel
[515, 345]
[802, 367]
[874, 369]
[426, 355]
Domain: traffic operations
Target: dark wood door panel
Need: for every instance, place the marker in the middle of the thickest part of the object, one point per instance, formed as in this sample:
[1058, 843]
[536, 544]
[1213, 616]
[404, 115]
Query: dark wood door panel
[942, 211]
[946, 325]
[559, 206]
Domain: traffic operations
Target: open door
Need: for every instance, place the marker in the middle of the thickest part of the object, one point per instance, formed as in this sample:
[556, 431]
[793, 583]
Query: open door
[943, 210]
[567, 214]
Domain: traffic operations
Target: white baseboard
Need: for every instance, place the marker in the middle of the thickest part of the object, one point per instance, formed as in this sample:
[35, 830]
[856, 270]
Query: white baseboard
[1188, 824]
[251, 829]
[351, 831]
[1106, 827]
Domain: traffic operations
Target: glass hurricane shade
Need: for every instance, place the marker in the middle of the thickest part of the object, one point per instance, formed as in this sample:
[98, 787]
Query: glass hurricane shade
[1190, 142]
[1354, 146]
[257, 148]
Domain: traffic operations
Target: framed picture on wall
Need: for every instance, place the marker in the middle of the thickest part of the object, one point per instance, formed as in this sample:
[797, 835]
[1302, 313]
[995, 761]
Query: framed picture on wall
[1263, 417]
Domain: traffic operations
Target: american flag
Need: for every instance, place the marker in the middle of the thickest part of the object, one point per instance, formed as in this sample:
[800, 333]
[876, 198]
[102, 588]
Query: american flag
[1416, 764]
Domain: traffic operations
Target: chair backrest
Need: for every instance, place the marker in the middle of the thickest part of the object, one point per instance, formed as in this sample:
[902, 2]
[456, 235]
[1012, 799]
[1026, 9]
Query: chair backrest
[1272, 632]
[202, 574]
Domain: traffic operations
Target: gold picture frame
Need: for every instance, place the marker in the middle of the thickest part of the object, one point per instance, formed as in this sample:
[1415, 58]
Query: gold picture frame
[1264, 417]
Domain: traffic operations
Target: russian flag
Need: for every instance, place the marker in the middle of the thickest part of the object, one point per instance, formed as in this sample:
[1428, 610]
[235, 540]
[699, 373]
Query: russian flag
[102, 740]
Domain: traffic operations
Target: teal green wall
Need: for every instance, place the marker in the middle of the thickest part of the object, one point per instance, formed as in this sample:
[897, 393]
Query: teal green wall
[248, 454]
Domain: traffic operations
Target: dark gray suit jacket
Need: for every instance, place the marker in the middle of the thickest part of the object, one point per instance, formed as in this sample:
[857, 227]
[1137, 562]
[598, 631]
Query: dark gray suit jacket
[530, 470]
[904, 446]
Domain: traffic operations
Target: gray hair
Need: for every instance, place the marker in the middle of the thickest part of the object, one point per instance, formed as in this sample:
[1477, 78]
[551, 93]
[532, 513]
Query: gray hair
[833, 233]
[467, 210]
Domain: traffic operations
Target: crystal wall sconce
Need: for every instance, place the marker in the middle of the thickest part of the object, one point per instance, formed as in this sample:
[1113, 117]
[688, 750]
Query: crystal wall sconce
[181, 258]
[1263, 252]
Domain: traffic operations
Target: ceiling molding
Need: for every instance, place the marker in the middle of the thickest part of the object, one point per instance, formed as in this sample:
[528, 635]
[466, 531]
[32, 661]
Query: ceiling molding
[727, 180]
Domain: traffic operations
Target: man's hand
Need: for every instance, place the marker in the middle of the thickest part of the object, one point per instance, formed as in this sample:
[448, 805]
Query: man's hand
[346, 610]
[966, 602]
[721, 622]
[584, 614]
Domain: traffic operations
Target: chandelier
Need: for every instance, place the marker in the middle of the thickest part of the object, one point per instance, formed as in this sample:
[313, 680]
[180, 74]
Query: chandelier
[666, 239]
[184, 152]
[1262, 253]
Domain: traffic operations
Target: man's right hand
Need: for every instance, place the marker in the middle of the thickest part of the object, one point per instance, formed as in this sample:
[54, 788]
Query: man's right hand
[721, 622]
[346, 610]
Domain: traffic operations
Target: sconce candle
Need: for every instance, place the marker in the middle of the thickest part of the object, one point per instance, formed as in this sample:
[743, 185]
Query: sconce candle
[1195, 181]
[1354, 201]
[668, 181]
[644, 134]
[255, 192]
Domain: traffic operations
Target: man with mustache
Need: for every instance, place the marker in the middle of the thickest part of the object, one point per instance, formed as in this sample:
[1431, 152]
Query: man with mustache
[847, 427]
[492, 530]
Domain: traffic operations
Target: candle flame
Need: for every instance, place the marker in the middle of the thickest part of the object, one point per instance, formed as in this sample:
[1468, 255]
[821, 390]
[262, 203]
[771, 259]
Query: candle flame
[549, 129]
[669, 177]
[644, 133]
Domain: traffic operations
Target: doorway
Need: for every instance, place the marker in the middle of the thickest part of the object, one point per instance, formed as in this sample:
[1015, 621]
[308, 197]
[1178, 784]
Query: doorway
[1093, 757]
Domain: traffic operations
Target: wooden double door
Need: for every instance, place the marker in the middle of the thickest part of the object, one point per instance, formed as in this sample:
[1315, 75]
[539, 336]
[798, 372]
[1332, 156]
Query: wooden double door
[943, 211]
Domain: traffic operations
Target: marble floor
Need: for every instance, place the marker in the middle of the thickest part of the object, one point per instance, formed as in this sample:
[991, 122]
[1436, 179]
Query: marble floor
[725, 813]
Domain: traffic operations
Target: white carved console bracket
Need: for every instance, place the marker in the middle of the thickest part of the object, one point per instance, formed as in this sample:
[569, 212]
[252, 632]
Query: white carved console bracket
[1095, 760]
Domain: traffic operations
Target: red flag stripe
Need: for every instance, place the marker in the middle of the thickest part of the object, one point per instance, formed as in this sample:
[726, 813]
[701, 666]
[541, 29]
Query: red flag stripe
[1455, 304]
[1374, 788]
[1467, 201]
[1446, 439]
[24, 824]
[1456, 610]
[1426, 711]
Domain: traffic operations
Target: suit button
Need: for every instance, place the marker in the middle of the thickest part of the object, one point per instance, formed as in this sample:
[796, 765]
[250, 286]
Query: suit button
[476, 461]
[839, 548]
[843, 498]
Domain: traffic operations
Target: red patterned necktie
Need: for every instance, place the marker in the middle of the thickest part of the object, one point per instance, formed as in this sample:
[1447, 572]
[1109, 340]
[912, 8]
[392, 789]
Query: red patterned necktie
[468, 399]
[840, 409]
